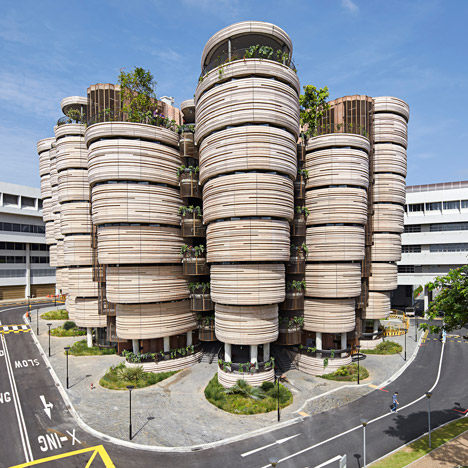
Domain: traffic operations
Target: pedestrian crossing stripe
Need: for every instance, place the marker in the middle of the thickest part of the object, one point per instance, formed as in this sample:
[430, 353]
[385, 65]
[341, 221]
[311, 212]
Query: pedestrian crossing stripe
[5, 329]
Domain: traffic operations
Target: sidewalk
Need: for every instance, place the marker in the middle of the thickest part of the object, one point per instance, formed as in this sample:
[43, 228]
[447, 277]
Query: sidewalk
[175, 412]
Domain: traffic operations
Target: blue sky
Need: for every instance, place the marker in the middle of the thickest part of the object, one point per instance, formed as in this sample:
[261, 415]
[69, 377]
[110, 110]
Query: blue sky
[412, 49]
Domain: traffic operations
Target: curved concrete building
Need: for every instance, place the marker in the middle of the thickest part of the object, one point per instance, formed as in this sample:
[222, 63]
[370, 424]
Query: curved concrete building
[247, 121]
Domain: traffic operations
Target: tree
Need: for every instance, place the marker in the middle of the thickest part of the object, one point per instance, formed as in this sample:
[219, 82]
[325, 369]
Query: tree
[137, 93]
[451, 302]
[313, 106]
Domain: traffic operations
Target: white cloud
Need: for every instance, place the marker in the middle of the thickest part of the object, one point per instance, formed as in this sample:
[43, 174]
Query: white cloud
[350, 6]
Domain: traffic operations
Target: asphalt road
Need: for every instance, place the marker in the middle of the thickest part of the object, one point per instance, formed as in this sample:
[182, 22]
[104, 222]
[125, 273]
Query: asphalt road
[27, 392]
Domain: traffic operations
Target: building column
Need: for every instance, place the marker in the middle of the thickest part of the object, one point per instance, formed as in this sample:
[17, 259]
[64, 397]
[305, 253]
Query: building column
[27, 291]
[227, 352]
[318, 340]
[136, 346]
[266, 352]
[167, 344]
[376, 327]
[253, 354]
[344, 342]
[426, 299]
[89, 337]
[229, 49]
[189, 338]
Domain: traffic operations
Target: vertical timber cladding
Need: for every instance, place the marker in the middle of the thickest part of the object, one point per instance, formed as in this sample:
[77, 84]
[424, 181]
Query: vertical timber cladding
[247, 123]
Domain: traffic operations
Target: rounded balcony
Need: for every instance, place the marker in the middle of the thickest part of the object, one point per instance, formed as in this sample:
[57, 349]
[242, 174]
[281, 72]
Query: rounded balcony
[248, 240]
[46, 189]
[329, 315]
[207, 332]
[190, 185]
[80, 282]
[73, 185]
[321, 361]
[300, 189]
[389, 188]
[335, 243]
[252, 148]
[75, 218]
[296, 265]
[299, 226]
[195, 266]
[386, 247]
[289, 335]
[249, 194]
[333, 280]
[246, 325]
[147, 321]
[192, 226]
[390, 128]
[73, 103]
[378, 306]
[337, 140]
[71, 153]
[187, 145]
[336, 205]
[61, 280]
[201, 302]
[53, 254]
[77, 250]
[392, 105]
[294, 300]
[138, 284]
[383, 277]
[85, 313]
[388, 217]
[44, 145]
[389, 157]
[247, 284]
[229, 377]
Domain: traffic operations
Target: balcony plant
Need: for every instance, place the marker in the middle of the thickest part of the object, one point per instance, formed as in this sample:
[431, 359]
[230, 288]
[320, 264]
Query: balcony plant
[314, 105]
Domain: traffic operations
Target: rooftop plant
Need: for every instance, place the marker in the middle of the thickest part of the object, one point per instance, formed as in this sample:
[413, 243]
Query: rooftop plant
[313, 106]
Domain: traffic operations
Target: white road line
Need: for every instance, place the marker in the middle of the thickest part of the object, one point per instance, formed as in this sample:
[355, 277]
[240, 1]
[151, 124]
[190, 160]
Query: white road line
[276, 442]
[19, 412]
[14, 327]
[371, 421]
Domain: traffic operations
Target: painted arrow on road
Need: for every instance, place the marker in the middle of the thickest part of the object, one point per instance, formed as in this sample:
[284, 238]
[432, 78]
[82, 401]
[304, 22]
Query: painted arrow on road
[47, 406]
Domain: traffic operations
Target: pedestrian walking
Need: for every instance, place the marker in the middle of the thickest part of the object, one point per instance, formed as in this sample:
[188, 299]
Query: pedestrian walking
[395, 402]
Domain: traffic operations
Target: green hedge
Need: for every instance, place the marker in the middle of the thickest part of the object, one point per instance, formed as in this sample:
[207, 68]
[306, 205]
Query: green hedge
[386, 347]
[80, 348]
[59, 314]
[61, 332]
[348, 373]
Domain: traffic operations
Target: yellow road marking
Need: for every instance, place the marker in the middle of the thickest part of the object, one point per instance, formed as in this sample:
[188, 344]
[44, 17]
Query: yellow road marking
[98, 449]
[303, 413]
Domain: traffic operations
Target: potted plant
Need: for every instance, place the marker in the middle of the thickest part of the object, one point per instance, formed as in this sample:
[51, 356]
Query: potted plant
[194, 261]
[294, 295]
[192, 224]
[299, 224]
[200, 297]
[188, 181]
[187, 141]
[296, 264]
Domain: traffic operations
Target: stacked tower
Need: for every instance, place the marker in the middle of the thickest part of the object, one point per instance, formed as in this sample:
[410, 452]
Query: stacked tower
[135, 202]
[247, 115]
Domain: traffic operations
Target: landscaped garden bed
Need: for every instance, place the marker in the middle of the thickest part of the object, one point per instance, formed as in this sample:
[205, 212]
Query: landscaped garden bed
[67, 329]
[118, 377]
[245, 399]
[386, 347]
[80, 348]
[59, 314]
[348, 373]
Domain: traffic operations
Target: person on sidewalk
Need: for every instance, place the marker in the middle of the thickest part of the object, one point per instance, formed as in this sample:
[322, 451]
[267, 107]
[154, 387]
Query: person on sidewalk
[395, 402]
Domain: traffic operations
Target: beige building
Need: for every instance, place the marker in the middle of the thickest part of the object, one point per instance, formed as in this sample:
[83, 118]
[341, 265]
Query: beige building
[225, 224]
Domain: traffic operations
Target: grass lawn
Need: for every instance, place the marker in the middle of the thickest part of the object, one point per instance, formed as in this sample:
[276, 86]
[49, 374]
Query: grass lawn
[61, 332]
[348, 373]
[420, 447]
[59, 314]
[386, 347]
[118, 377]
[263, 399]
[80, 348]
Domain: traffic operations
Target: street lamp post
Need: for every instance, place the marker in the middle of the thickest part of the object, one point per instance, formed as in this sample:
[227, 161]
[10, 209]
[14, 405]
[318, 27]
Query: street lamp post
[37, 321]
[406, 332]
[358, 347]
[415, 327]
[49, 325]
[364, 424]
[66, 351]
[277, 383]
[428, 396]
[29, 309]
[130, 388]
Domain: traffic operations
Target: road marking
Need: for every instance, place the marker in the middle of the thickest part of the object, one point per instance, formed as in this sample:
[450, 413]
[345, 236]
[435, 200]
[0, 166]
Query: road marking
[303, 413]
[277, 442]
[97, 450]
[377, 387]
[462, 412]
[47, 406]
[19, 412]
[14, 329]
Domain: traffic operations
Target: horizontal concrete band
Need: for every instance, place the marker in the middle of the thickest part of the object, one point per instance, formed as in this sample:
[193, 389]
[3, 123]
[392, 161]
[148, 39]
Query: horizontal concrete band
[390, 104]
[80, 282]
[146, 321]
[390, 128]
[247, 67]
[337, 166]
[45, 144]
[333, 280]
[77, 250]
[248, 148]
[169, 365]
[246, 325]
[247, 100]
[329, 315]
[250, 194]
[248, 240]
[247, 284]
[75, 217]
[73, 185]
[136, 244]
[335, 243]
[388, 217]
[336, 205]
[53, 255]
[84, 312]
[378, 306]
[138, 284]
[383, 277]
[246, 28]
[68, 129]
[60, 257]
[49, 232]
[229, 379]
[336, 140]
[386, 247]
[389, 157]
[61, 279]
[316, 366]
[46, 189]
[389, 188]
[135, 203]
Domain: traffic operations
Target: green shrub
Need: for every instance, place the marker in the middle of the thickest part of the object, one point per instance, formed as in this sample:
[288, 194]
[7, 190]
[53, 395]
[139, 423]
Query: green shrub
[348, 373]
[267, 386]
[68, 325]
[80, 348]
[61, 332]
[59, 314]
[386, 347]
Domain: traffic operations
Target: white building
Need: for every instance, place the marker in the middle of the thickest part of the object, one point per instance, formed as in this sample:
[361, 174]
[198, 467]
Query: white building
[435, 239]
[24, 255]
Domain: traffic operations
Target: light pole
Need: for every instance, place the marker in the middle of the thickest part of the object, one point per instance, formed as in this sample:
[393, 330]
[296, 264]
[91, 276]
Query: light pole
[277, 396]
[358, 347]
[364, 424]
[49, 325]
[29, 309]
[406, 331]
[428, 396]
[415, 327]
[66, 351]
[37, 321]
[130, 388]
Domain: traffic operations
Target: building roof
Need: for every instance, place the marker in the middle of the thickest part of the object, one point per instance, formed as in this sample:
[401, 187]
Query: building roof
[441, 186]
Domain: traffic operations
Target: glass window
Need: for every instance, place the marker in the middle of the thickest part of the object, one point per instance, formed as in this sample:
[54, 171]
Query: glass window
[448, 227]
[412, 228]
[405, 268]
[411, 248]
[451, 205]
[456, 247]
[433, 206]
[416, 207]
[464, 203]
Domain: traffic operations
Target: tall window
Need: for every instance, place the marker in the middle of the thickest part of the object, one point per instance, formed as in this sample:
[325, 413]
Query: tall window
[413, 228]
[456, 247]
[464, 203]
[448, 227]
[434, 206]
[416, 207]
[411, 248]
[451, 205]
